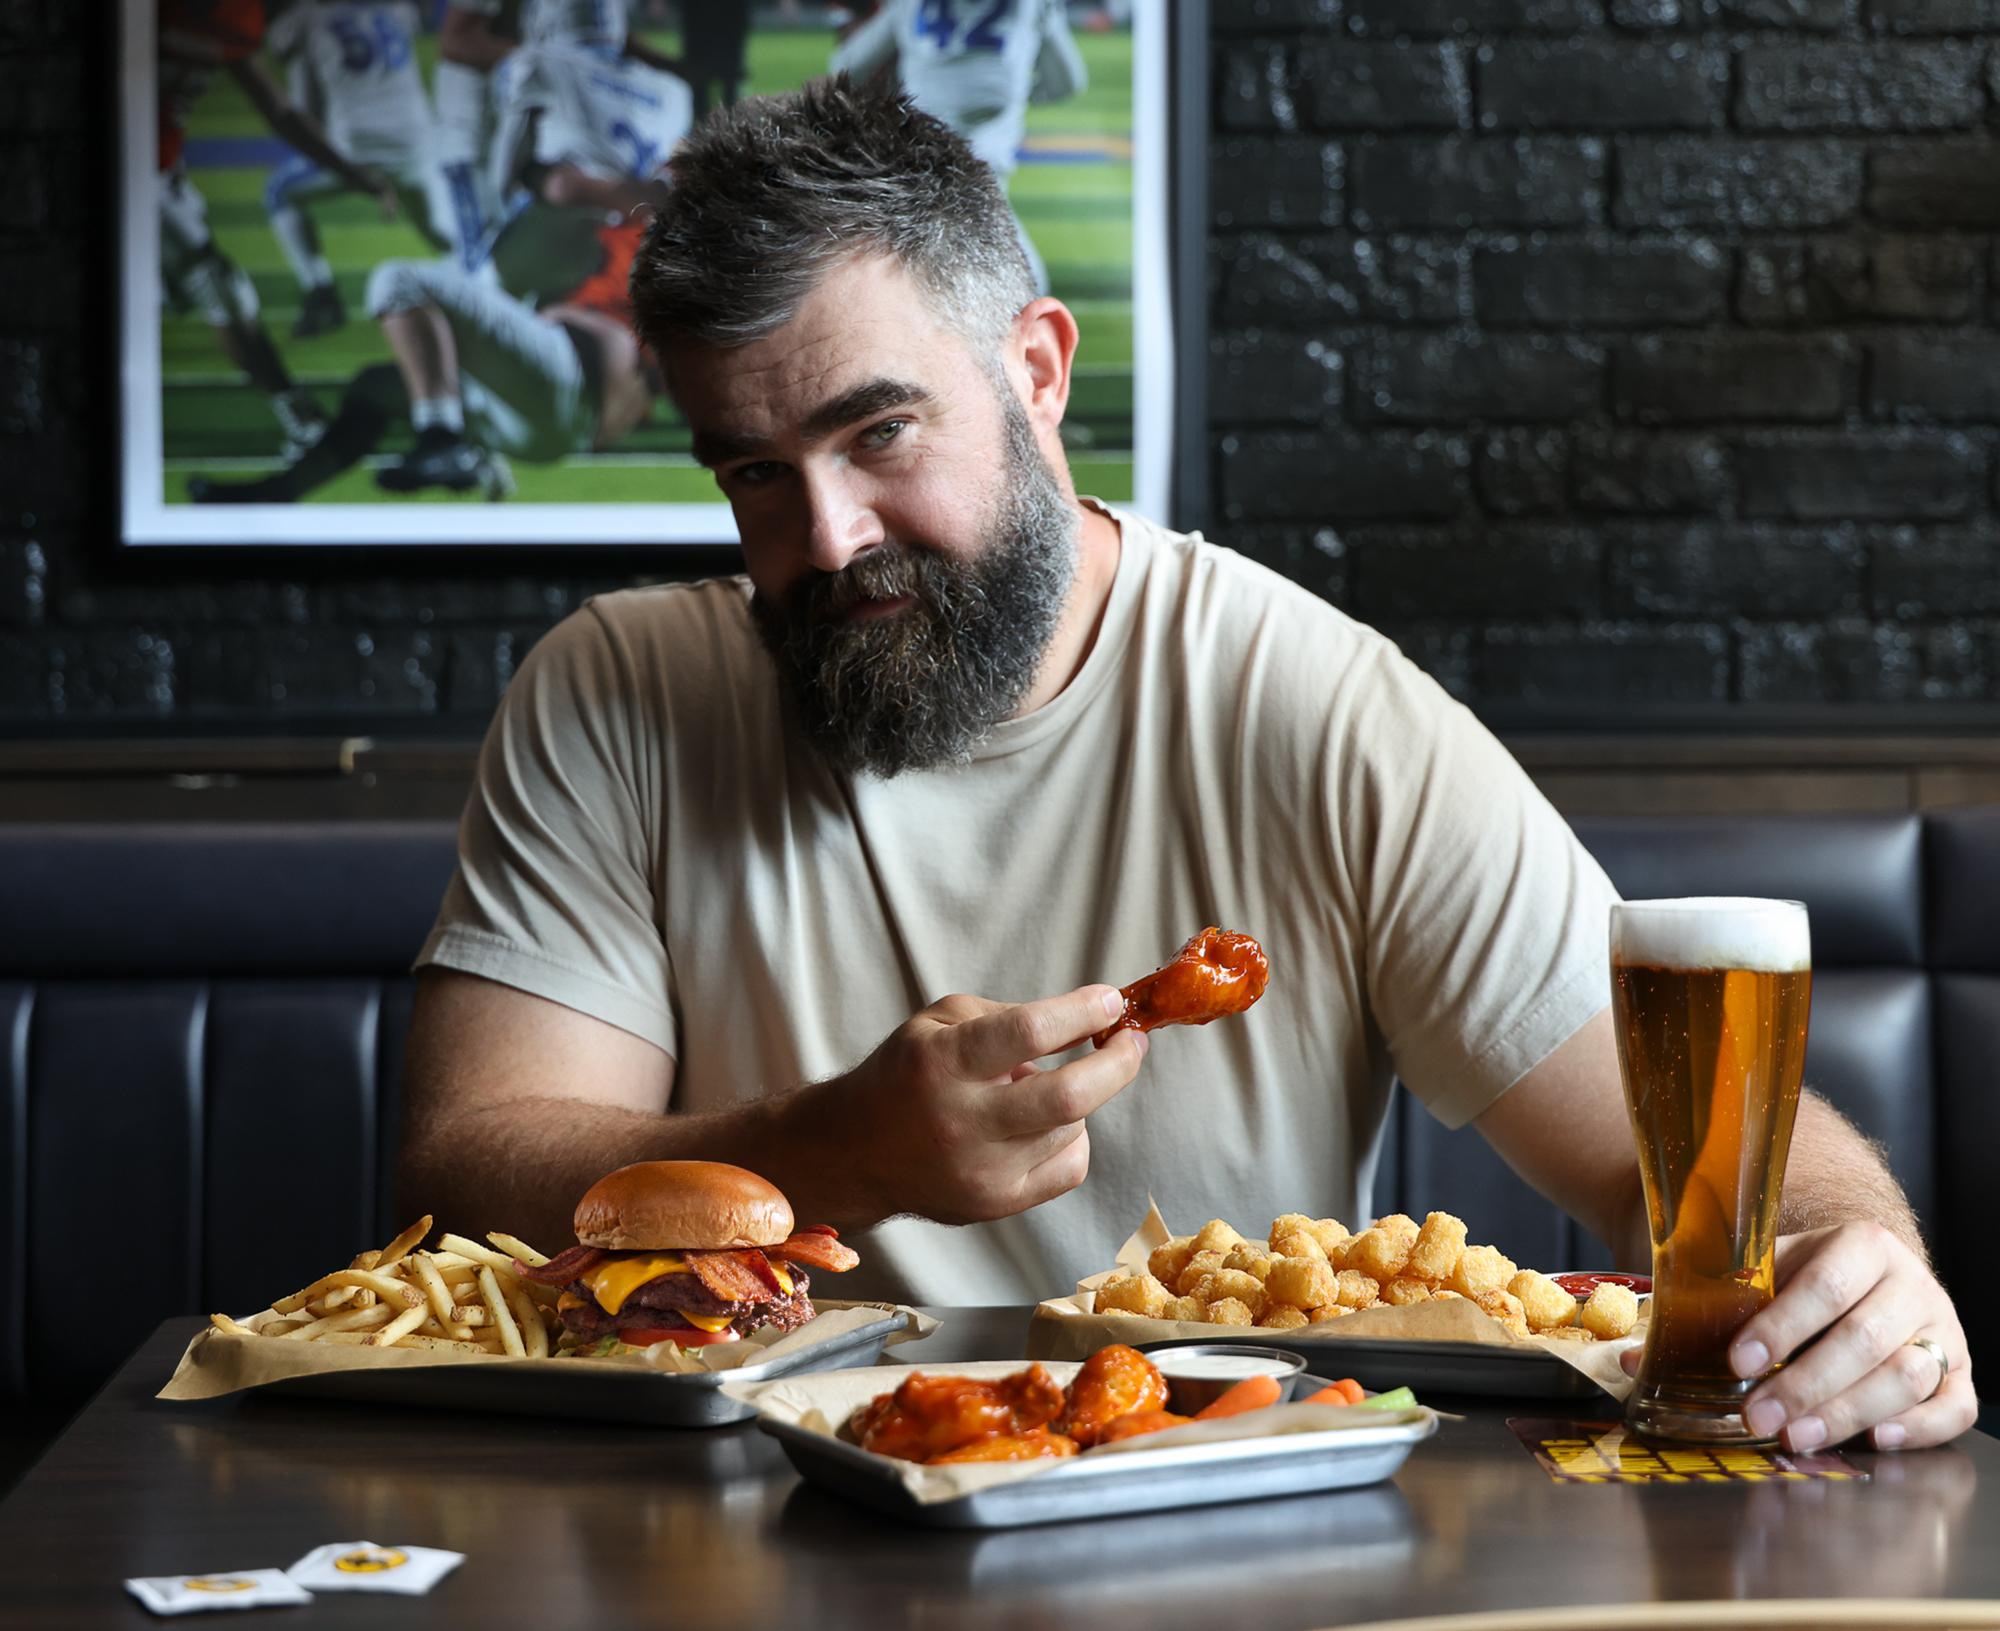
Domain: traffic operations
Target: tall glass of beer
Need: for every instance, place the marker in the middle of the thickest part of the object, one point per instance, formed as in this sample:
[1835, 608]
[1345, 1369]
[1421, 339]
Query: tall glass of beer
[1711, 998]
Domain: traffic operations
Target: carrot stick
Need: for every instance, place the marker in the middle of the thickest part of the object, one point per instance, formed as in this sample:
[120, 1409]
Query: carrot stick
[1345, 1391]
[1252, 1393]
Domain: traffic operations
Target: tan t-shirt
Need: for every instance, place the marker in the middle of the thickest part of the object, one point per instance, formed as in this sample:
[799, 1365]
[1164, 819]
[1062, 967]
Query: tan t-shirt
[647, 843]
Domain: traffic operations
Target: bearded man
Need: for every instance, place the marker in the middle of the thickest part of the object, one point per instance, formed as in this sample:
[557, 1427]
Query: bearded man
[732, 843]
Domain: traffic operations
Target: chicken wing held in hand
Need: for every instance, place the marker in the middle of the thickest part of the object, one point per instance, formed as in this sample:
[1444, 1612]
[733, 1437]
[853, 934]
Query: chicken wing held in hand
[1218, 972]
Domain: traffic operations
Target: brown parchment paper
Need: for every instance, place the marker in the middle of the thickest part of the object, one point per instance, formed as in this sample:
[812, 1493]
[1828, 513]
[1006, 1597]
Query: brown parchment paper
[218, 1362]
[821, 1403]
[1070, 1327]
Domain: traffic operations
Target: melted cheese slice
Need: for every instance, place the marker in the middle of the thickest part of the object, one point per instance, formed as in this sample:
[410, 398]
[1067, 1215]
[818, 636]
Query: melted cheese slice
[612, 1282]
[704, 1322]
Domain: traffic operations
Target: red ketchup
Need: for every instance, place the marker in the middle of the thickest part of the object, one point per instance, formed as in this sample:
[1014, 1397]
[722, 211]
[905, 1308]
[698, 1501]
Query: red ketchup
[1582, 1283]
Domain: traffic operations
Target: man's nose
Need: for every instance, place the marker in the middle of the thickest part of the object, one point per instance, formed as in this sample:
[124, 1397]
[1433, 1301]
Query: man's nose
[840, 519]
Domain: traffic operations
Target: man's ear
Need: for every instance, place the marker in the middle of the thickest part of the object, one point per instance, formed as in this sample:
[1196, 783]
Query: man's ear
[1044, 346]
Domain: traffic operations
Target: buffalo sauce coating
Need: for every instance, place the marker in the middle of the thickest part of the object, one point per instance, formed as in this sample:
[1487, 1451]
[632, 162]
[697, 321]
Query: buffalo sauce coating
[1217, 972]
[1114, 1382]
[929, 1416]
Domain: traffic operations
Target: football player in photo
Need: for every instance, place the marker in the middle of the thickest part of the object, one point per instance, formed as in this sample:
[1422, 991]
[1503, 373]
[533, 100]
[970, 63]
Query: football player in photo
[975, 64]
[199, 40]
[354, 63]
[482, 376]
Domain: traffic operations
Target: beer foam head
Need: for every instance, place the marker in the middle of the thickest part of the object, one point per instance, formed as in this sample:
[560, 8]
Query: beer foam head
[1715, 931]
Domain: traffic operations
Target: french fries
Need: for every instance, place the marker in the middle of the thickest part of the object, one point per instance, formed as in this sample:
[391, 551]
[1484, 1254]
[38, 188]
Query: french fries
[461, 1298]
[496, 1302]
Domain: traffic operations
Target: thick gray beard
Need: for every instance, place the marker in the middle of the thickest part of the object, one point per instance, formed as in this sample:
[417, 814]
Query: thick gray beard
[921, 689]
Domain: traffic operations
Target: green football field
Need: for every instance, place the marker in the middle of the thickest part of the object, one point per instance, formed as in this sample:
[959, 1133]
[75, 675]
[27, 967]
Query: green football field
[1074, 193]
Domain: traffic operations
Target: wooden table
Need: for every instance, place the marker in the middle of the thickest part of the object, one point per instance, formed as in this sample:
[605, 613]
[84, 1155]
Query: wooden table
[576, 1523]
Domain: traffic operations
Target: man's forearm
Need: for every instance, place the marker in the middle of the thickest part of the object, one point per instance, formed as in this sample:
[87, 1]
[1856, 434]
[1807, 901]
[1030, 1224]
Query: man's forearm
[522, 1164]
[1837, 1175]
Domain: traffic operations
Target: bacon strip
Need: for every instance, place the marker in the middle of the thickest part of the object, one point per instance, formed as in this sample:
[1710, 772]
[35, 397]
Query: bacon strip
[564, 1267]
[738, 1277]
[816, 1250]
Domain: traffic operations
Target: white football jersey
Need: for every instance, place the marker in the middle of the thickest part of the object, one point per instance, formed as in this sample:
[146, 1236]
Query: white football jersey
[970, 63]
[609, 116]
[359, 63]
[575, 22]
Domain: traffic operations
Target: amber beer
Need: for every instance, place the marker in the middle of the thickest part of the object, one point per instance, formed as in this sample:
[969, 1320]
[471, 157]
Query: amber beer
[1711, 998]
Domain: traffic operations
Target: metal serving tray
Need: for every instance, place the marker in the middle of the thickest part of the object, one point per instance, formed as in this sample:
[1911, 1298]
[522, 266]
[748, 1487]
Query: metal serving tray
[1090, 1486]
[1485, 1370]
[581, 1387]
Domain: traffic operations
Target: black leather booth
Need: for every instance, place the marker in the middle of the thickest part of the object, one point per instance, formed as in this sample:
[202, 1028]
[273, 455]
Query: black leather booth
[203, 1032]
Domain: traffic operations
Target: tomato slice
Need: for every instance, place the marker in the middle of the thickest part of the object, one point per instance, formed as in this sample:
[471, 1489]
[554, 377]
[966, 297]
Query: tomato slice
[688, 1336]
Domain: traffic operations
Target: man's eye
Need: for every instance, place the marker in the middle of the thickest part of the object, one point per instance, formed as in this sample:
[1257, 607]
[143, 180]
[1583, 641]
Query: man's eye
[755, 475]
[886, 432]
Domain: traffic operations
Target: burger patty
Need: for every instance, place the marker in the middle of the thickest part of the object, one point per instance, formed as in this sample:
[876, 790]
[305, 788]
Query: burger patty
[684, 1293]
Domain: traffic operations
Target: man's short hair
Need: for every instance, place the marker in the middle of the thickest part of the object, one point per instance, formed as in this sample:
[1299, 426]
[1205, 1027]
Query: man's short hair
[770, 194]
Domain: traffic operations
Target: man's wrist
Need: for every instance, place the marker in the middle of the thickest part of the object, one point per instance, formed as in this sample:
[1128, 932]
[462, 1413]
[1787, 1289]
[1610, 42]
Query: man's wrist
[809, 1151]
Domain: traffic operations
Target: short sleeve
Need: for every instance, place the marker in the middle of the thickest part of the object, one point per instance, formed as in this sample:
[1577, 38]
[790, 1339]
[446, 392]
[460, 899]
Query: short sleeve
[1486, 921]
[555, 892]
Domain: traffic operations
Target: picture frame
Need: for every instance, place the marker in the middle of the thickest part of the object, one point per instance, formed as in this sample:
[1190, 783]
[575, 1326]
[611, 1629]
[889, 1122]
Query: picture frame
[188, 409]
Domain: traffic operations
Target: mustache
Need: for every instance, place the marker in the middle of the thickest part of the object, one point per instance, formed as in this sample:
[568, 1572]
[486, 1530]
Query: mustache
[889, 571]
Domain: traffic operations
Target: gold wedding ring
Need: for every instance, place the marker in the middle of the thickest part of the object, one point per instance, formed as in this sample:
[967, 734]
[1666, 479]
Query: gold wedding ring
[1936, 1350]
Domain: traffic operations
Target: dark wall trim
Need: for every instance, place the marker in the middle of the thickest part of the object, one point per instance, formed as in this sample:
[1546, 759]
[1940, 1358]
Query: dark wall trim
[1187, 82]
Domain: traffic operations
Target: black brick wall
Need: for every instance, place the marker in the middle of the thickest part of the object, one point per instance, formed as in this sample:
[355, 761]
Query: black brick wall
[1666, 335]
[1626, 353]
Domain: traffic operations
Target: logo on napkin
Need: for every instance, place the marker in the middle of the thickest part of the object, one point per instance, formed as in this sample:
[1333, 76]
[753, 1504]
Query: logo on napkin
[361, 1565]
[235, 1588]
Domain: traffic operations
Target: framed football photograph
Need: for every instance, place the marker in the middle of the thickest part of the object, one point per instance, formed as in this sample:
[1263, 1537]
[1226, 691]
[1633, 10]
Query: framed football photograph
[374, 252]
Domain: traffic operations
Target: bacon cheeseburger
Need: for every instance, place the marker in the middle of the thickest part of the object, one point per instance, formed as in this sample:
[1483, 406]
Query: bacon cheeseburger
[685, 1251]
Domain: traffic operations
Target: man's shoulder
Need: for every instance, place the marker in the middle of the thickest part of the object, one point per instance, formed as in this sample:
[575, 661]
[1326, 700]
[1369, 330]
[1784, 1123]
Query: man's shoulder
[1223, 621]
[670, 635]
[664, 613]
[1235, 596]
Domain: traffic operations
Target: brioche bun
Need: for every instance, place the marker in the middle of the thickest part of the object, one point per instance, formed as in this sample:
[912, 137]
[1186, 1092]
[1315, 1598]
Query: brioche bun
[669, 1205]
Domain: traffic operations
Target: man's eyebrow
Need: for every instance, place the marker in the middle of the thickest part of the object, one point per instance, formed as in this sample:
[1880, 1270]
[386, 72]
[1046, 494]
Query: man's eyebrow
[862, 402]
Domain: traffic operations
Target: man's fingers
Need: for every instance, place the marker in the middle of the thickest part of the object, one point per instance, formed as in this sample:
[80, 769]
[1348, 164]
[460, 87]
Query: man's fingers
[1026, 1155]
[1794, 1252]
[1066, 1095]
[993, 1044]
[1843, 1357]
[1816, 1294]
[957, 1008]
[1935, 1421]
[1066, 1167]
[1818, 1416]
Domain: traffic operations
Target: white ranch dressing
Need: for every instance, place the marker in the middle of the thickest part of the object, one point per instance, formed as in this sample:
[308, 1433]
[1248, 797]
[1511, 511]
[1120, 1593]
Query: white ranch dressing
[1213, 1365]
